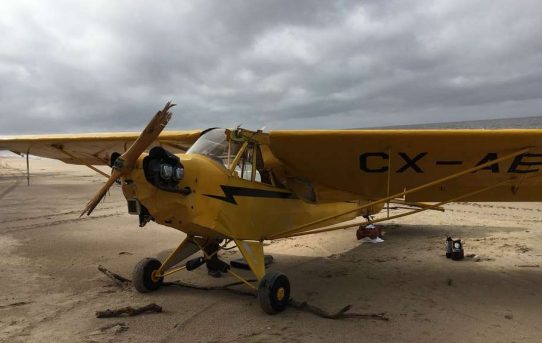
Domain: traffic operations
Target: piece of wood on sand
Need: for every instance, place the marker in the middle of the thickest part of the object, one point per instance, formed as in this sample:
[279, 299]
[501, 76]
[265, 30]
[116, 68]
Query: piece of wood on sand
[129, 311]
[118, 279]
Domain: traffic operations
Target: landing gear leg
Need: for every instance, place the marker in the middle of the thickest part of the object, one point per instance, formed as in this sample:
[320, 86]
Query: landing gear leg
[273, 288]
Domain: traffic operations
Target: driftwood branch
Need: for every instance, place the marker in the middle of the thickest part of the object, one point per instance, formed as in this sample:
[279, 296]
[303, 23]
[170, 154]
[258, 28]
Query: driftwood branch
[226, 287]
[119, 279]
[342, 313]
[17, 304]
[129, 311]
[300, 305]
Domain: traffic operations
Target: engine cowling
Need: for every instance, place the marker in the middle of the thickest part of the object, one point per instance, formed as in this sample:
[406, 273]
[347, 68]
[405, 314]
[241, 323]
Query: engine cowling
[163, 169]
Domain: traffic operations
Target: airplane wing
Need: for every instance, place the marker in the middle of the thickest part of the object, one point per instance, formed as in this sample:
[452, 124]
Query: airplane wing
[374, 164]
[91, 148]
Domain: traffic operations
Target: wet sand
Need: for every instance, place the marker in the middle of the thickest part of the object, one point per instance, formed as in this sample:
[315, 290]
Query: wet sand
[51, 288]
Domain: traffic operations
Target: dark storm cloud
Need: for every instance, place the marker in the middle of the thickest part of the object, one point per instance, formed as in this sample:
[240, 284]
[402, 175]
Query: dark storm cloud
[95, 66]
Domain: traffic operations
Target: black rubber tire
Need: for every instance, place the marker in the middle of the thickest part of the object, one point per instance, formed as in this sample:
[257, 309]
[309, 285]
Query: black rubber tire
[274, 293]
[142, 275]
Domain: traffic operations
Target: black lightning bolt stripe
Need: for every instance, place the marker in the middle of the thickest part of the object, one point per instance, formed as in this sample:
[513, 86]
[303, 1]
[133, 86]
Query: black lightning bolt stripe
[231, 191]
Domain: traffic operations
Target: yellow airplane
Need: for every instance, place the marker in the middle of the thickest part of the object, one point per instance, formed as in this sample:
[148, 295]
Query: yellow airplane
[223, 186]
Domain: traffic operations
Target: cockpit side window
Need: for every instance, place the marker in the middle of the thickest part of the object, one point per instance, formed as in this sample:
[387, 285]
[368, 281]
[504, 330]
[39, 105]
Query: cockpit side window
[251, 167]
[265, 175]
[246, 166]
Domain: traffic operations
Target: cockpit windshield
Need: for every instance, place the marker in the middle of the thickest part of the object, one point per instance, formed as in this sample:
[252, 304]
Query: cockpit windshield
[214, 144]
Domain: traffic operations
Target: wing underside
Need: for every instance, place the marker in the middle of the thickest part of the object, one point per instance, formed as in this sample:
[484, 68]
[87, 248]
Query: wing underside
[91, 148]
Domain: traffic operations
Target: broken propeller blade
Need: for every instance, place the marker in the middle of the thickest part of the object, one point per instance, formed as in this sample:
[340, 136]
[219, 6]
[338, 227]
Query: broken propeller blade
[124, 163]
[91, 205]
[147, 137]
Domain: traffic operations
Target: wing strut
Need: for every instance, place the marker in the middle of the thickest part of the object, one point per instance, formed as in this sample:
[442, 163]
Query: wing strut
[389, 181]
[415, 204]
[79, 160]
[27, 167]
[401, 194]
[428, 207]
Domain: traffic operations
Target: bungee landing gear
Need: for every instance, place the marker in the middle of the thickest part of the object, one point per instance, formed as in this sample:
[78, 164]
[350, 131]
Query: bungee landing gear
[272, 289]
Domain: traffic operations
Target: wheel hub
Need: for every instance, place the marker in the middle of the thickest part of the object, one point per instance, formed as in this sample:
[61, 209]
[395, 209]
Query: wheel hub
[154, 276]
[280, 293]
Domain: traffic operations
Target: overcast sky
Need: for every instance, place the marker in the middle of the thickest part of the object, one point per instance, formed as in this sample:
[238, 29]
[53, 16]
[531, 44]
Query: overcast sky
[76, 66]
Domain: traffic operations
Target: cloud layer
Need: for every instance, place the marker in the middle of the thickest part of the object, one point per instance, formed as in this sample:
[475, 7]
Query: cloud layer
[108, 65]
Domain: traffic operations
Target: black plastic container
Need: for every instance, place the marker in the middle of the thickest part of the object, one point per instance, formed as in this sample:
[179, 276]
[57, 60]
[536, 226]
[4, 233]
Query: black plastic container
[449, 244]
[457, 250]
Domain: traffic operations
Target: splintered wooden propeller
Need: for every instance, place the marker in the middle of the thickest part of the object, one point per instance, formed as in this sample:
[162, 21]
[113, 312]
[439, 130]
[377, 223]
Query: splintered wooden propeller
[125, 163]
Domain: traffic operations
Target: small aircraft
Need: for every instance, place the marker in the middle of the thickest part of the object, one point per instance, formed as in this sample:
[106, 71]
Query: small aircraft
[223, 186]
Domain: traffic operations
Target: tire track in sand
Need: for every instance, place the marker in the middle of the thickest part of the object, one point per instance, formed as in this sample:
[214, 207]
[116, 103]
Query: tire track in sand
[58, 222]
[10, 189]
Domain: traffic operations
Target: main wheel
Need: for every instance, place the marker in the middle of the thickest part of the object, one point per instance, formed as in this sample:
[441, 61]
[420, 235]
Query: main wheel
[274, 292]
[143, 278]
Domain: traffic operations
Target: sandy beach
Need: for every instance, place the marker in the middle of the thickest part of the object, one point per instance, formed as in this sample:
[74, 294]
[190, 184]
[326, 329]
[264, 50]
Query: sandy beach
[51, 288]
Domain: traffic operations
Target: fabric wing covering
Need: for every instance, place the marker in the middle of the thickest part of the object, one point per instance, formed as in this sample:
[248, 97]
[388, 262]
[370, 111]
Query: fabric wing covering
[91, 148]
[364, 162]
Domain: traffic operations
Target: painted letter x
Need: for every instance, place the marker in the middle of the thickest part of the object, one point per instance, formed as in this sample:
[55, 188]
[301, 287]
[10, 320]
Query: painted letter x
[411, 162]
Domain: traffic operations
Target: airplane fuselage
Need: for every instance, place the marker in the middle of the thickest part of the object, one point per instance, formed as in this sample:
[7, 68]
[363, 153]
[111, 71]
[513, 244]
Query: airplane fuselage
[214, 203]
